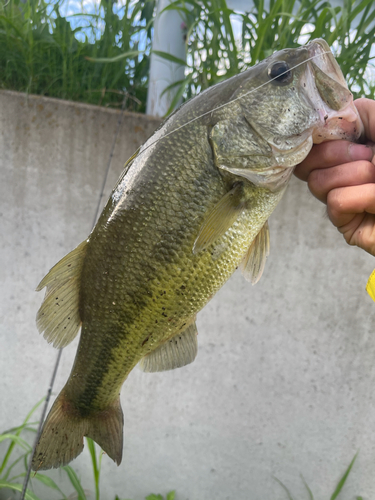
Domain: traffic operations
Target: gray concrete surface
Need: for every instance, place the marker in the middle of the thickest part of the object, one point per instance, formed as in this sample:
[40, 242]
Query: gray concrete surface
[284, 380]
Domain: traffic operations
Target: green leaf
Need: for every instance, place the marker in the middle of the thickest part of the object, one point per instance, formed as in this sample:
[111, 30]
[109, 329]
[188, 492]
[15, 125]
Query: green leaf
[13, 464]
[343, 479]
[285, 488]
[179, 94]
[129, 54]
[15, 439]
[154, 497]
[75, 482]
[169, 57]
[171, 495]
[18, 487]
[311, 496]
[95, 466]
[47, 481]
[17, 431]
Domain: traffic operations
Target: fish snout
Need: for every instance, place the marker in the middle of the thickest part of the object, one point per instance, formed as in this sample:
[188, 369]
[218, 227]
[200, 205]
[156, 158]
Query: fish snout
[338, 116]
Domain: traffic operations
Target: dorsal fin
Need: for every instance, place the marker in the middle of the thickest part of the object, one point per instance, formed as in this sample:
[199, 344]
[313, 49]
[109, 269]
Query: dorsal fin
[178, 351]
[58, 316]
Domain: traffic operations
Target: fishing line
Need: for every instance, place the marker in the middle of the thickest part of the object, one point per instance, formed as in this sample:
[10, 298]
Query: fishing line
[233, 100]
[49, 392]
[110, 159]
[221, 106]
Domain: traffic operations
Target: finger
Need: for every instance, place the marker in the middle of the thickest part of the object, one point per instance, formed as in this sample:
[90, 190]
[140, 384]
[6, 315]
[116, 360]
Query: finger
[344, 203]
[366, 109]
[329, 154]
[360, 231]
[322, 181]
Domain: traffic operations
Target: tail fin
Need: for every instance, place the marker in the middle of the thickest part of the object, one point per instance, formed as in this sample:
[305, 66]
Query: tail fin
[62, 436]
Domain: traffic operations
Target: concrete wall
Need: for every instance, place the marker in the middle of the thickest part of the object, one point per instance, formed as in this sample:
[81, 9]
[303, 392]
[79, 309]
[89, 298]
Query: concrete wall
[284, 381]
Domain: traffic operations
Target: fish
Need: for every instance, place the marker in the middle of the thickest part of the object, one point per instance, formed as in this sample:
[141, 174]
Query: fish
[191, 206]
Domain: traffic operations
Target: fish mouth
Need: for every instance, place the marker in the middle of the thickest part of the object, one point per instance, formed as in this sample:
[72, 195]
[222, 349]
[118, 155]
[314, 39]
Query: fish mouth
[330, 96]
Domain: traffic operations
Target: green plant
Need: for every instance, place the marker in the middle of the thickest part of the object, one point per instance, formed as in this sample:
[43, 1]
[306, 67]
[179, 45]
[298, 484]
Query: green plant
[44, 53]
[338, 488]
[18, 453]
[215, 53]
[170, 496]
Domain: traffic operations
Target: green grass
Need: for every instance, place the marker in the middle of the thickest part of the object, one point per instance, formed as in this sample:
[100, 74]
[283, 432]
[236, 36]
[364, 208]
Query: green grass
[106, 54]
[15, 448]
[214, 53]
[335, 494]
[14, 465]
[42, 54]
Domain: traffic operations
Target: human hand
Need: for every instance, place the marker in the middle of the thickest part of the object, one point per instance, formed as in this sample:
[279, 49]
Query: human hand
[342, 175]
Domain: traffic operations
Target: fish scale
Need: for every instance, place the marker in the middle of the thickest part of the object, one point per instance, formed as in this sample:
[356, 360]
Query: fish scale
[191, 206]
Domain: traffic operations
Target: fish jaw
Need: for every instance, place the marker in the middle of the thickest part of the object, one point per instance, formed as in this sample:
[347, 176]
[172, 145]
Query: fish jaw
[329, 94]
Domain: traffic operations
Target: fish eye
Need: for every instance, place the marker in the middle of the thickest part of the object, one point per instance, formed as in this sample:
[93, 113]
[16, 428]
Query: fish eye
[280, 72]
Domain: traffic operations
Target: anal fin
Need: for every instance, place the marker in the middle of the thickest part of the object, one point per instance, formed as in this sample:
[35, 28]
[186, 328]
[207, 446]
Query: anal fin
[178, 351]
[252, 266]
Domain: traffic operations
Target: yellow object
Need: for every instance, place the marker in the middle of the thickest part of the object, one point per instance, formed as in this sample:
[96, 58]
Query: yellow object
[370, 287]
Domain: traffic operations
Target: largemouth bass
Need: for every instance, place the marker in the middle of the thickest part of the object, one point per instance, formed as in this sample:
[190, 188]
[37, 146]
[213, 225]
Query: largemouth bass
[190, 207]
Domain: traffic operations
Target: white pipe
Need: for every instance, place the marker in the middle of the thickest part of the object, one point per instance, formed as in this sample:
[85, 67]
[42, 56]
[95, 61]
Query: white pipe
[169, 33]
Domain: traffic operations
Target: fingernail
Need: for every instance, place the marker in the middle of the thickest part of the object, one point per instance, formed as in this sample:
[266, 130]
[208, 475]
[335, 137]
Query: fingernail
[359, 152]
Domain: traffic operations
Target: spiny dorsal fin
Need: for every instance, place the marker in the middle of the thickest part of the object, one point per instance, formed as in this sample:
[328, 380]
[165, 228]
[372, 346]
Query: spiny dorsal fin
[252, 266]
[178, 351]
[220, 219]
[58, 316]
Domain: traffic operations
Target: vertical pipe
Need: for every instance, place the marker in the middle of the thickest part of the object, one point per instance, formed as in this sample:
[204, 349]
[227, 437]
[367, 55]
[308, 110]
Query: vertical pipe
[168, 37]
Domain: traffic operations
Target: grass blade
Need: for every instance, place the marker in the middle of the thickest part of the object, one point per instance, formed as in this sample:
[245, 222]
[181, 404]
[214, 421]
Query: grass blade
[95, 467]
[343, 479]
[75, 482]
[16, 432]
[129, 54]
[18, 487]
[285, 488]
[169, 57]
[47, 481]
[311, 496]
[16, 440]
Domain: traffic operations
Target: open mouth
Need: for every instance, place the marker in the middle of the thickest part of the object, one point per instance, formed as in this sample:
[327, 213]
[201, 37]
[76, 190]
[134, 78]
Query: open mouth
[324, 59]
[331, 98]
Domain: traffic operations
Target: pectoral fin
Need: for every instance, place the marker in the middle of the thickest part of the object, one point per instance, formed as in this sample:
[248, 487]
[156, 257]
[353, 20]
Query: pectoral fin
[220, 219]
[58, 316]
[252, 266]
[176, 352]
